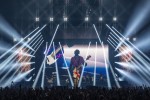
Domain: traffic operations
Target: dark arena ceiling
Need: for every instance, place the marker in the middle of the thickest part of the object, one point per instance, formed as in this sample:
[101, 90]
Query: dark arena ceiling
[21, 15]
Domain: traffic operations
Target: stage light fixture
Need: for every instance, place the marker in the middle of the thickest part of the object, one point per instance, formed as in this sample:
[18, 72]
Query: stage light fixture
[134, 39]
[14, 39]
[29, 39]
[121, 39]
[37, 19]
[21, 39]
[128, 39]
[86, 19]
[100, 19]
[65, 19]
[114, 19]
[71, 80]
[51, 19]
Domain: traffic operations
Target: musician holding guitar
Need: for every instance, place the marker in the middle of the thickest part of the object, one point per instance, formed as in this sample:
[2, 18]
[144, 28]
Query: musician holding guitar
[76, 63]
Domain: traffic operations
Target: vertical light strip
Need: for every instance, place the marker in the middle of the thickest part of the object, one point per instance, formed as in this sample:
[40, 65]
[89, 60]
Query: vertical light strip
[113, 73]
[107, 73]
[80, 80]
[71, 80]
[57, 72]
[94, 82]
[43, 76]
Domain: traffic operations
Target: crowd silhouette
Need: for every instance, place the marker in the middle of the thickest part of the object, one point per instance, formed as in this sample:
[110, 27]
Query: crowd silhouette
[65, 93]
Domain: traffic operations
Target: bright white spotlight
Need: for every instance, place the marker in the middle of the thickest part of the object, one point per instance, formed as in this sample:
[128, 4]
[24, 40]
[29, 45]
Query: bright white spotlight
[134, 39]
[29, 39]
[51, 19]
[100, 19]
[37, 19]
[121, 39]
[65, 19]
[128, 39]
[14, 39]
[130, 76]
[86, 19]
[114, 19]
[21, 39]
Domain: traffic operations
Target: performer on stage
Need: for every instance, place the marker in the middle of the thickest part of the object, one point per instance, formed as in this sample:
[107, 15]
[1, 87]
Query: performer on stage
[76, 64]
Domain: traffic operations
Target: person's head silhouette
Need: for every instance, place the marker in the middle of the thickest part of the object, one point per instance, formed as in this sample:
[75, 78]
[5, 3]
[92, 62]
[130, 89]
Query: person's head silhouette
[76, 52]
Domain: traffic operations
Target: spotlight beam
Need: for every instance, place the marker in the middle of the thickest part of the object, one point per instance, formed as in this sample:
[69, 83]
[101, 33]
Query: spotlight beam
[43, 78]
[134, 46]
[139, 69]
[11, 78]
[11, 58]
[133, 63]
[138, 56]
[39, 72]
[80, 80]
[94, 82]
[20, 76]
[114, 33]
[114, 36]
[137, 63]
[26, 51]
[17, 44]
[71, 80]
[97, 33]
[53, 38]
[140, 73]
[110, 44]
[13, 67]
[130, 76]
[113, 40]
[107, 73]
[56, 66]
[113, 73]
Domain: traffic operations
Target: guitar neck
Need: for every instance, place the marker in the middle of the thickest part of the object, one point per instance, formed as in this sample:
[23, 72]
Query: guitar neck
[56, 51]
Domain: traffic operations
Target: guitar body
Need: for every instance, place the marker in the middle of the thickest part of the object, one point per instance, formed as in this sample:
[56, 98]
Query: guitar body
[51, 59]
[76, 73]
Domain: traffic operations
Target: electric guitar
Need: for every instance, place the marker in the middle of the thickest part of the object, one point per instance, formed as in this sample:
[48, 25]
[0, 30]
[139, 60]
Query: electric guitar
[51, 58]
[76, 71]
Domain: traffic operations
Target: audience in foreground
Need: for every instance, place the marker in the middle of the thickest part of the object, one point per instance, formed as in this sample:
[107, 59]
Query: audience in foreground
[63, 93]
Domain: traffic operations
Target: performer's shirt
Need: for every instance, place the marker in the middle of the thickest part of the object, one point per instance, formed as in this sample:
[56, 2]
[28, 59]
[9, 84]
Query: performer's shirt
[76, 61]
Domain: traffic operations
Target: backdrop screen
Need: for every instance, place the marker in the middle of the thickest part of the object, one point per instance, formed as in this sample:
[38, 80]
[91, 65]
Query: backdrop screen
[97, 57]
